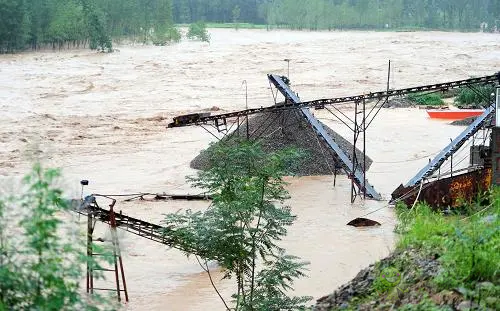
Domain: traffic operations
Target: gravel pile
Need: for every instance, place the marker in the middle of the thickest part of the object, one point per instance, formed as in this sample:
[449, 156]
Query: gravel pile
[399, 102]
[295, 132]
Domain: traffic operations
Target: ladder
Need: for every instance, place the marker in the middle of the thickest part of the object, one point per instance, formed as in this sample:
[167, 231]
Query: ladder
[117, 268]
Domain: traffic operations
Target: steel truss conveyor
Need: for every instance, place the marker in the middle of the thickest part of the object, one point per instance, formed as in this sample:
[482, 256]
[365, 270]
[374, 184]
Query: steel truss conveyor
[133, 225]
[358, 175]
[453, 147]
[197, 118]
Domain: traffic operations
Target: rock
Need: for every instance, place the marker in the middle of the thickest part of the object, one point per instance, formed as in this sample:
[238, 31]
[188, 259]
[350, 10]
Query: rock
[399, 103]
[363, 222]
[446, 298]
[485, 285]
[464, 122]
[467, 305]
[214, 108]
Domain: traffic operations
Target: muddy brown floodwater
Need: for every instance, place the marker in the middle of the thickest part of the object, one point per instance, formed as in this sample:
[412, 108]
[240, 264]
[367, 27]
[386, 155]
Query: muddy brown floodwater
[102, 117]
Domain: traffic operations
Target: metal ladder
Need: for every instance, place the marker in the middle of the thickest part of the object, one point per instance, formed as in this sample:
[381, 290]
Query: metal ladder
[117, 268]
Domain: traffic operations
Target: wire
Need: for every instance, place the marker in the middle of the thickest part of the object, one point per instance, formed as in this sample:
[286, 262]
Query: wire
[409, 160]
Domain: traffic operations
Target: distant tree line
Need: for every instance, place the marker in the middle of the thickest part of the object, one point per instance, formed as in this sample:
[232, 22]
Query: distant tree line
[58, 23]
[341, 14]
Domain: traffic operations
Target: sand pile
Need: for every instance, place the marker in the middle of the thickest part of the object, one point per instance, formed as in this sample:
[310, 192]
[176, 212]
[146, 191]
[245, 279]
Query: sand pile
[278, 130]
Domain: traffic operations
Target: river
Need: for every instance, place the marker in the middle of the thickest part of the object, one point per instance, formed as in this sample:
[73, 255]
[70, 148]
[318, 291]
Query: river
[103, 117]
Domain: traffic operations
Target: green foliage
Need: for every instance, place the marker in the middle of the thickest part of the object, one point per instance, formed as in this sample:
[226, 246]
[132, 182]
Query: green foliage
[426, 99]
[479, 96]
[38, 269]
[198, 31]
[236, 16]
[467, 245]
[242, 227]
[166, 35]
[424, 305]
[345, 14]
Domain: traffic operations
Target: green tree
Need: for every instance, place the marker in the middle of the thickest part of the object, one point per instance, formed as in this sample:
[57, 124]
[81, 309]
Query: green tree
[236, 16]
[245, 222]
[39, 270]
[198, 31]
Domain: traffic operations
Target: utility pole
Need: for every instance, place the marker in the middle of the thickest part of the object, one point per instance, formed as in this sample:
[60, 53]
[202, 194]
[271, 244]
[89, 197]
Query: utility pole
[288, 63]
[246, 104]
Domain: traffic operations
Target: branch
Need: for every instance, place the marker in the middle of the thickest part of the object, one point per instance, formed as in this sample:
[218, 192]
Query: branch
[207, 270]
[253, 242]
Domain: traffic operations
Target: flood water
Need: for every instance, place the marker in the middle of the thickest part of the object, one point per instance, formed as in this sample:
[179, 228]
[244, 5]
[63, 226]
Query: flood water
[102, 117]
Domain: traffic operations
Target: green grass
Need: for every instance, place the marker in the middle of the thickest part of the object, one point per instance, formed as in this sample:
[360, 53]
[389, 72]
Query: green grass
[465, 246]
[480, 96]
[230, 25]
[426, 99]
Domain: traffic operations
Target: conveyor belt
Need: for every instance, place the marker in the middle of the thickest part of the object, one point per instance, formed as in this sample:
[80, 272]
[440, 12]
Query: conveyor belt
[358, 176]
[453, 147]
[203, 118]
[133, 225]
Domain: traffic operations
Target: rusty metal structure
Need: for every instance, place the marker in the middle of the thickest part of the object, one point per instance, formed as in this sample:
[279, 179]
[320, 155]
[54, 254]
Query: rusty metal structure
[483, 171]
[358, 124]
[90, 208]
[117, 269]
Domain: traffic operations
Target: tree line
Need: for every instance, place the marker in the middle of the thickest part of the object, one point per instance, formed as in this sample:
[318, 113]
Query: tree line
[344, 14]
[56, 23]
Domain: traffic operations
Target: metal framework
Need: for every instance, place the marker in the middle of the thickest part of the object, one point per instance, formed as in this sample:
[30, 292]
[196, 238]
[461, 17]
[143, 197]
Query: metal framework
[92, 216]
[353, 165]
[349, 164]
[203, 118]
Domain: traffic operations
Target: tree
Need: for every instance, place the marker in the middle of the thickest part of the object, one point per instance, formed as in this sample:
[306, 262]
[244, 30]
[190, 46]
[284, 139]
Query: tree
[198, 31]
[242, 227]
[236, 15]
[40, 262]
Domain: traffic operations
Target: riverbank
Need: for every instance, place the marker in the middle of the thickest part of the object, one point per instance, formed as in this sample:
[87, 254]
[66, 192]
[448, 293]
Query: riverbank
[441, 262]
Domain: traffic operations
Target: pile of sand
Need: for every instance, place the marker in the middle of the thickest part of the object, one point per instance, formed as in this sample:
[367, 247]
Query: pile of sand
[279, 130]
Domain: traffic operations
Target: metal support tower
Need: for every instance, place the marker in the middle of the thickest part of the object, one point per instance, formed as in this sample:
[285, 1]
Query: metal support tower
[117, 257]
[350, 164]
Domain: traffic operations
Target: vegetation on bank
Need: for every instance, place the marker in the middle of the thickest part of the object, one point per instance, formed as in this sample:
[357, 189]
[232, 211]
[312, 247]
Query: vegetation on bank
[39, 270]
[344, 14]
[242, 228]
[477, 96]
[443, 261]
[426, 99]
[94, 23]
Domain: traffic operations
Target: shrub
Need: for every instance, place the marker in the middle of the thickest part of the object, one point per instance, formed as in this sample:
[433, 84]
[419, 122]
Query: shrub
[426, 99]
[480, 96]
[166, 35]
[242, 227]
[40, 263]
[198, 31]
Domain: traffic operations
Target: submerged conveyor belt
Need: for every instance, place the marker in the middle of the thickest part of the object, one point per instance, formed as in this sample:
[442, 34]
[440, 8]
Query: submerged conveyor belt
[453, 147]
[133, 225]
[198, 118]
[345, 161]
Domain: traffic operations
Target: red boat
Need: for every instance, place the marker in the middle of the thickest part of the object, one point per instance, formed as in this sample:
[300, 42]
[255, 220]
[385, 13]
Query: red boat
[458, 114]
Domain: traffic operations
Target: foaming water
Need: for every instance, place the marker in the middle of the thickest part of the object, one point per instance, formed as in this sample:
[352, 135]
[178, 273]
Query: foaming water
[102, 117]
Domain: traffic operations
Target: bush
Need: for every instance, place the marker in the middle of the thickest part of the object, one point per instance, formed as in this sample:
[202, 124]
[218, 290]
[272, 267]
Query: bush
[166, 35]
[426, 99]
[40, 263]
[242, 227]
[481, 97]
[198, 31]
